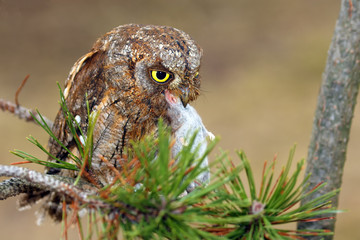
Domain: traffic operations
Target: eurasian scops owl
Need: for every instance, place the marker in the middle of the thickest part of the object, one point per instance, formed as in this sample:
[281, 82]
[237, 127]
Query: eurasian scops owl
[132, 76]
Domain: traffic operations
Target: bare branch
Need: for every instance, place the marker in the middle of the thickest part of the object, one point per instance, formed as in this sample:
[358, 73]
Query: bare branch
[335, 109]
[15, 186]
[27, 180]
[22, 112]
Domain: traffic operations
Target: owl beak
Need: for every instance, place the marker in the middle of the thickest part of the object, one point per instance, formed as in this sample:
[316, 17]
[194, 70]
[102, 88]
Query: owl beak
[184, 97]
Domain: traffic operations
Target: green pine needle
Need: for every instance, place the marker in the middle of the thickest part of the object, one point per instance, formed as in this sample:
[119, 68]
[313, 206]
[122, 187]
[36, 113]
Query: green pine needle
[148, 199]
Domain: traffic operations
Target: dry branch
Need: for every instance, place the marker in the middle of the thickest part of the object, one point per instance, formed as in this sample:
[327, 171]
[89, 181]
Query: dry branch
[25, 180]
[335, 108]
[22, 112]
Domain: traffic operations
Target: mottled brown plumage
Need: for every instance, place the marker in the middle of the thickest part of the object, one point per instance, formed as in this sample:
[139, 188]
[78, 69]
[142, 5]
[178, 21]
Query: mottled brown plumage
[116, 76]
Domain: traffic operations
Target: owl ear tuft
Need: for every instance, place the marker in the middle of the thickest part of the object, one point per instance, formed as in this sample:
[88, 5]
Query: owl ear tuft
[78, 66]
[84, 71]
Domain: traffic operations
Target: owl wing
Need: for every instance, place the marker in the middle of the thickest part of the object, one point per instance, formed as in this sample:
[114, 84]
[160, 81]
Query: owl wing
[85, 79]
[79, 87]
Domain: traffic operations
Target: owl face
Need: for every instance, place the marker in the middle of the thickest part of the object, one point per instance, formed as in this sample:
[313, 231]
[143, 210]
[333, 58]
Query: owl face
[155, 58]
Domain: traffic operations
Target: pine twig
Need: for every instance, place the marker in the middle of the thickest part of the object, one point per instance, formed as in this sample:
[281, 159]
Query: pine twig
[22, 112]
[19, 90]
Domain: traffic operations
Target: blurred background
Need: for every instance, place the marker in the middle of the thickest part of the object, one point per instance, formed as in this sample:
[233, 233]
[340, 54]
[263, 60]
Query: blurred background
[261, 73]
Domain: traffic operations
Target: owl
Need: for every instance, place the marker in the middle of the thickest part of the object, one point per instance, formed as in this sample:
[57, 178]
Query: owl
[130, 77]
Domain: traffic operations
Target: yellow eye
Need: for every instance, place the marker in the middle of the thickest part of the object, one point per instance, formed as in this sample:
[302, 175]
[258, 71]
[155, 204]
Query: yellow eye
[160, 76]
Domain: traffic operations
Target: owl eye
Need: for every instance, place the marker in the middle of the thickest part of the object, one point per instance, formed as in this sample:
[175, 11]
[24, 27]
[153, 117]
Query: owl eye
[160, 76]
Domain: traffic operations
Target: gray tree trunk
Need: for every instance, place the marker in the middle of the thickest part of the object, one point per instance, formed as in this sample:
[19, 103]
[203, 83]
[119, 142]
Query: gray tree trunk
[335, 108]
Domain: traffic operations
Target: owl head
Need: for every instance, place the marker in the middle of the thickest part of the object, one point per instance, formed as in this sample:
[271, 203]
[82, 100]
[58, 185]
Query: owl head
[138, 63]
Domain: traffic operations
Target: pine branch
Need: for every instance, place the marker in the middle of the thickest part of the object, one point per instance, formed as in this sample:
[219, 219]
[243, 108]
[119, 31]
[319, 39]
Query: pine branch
[149, 196]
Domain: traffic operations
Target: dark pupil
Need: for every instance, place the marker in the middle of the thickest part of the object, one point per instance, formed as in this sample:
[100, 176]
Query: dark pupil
[160, 75]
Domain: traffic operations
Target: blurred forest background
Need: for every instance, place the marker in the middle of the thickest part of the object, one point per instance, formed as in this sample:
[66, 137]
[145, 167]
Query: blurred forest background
[261, 73]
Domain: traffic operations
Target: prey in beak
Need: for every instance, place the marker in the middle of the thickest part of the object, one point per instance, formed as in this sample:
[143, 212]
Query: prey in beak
[172, 98]
[186, 93]
[185, 122]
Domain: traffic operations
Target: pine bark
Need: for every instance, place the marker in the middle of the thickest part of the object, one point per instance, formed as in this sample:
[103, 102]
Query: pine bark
[335, 109]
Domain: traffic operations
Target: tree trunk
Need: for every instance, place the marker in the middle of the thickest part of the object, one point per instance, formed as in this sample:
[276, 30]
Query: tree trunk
[335, 108]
